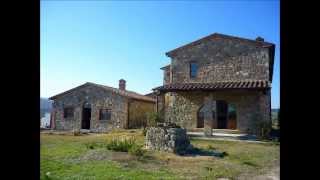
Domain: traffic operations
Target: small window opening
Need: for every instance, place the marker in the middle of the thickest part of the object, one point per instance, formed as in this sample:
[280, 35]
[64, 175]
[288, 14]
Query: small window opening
[105, 114]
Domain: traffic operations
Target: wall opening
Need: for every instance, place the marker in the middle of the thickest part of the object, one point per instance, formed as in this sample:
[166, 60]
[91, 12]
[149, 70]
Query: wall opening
[86, 116]
[224, 114]
[200, 118]
[232, 117]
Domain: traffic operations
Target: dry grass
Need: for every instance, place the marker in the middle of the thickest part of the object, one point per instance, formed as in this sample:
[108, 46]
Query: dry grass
[68, 156]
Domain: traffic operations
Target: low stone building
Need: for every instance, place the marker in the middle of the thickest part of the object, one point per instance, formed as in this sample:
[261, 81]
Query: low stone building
[218, 82]
[100, 108]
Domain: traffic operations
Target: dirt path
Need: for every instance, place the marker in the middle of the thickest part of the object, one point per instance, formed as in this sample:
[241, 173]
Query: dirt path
[273, 174]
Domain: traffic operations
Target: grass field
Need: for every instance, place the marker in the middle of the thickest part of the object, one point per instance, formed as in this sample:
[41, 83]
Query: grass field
[68, 157]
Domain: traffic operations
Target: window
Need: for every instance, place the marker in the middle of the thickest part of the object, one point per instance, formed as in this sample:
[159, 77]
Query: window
[193, 70]
[68, 112]
[105, 114]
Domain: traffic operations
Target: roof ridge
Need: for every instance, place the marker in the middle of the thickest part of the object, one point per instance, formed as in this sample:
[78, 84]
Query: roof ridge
[221, 35]
[130, 94]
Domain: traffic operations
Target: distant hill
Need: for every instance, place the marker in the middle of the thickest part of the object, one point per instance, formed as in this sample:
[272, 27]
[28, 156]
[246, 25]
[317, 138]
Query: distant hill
[45, 106]
[274, 114]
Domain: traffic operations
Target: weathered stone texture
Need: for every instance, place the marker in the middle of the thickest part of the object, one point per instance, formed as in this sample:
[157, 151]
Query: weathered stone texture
[221, 60]
[166, 75]
[250, 107]
[98, 99]
[167, 139]
[218, 59]
[138, 113]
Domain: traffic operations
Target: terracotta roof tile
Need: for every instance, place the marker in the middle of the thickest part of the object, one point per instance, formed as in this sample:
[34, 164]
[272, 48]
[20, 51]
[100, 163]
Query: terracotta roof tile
[129, 94]
[253, 84]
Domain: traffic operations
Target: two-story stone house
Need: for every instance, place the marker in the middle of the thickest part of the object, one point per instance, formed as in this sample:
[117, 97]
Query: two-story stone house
[219, 82]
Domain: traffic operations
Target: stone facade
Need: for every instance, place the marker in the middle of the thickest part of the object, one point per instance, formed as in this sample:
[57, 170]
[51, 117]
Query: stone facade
[167, 139]
[219, 58]
[182, 107]
[137, 113]
[97, 98]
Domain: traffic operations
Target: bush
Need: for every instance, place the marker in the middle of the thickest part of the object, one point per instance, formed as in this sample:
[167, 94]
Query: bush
[279, 119]
[93, 145]
[122, 145]
[126, 145]
[153, 118]
[264, 129]
[137, 150]
[144, 131]
[210, 147]
[76, 132]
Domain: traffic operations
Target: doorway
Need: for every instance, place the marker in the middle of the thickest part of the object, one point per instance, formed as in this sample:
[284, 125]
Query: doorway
[200, 118]
[86, 116]
[222, 114]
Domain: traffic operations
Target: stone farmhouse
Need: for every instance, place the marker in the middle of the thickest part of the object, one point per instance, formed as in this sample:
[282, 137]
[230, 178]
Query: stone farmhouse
[100, 108]
[218, 82]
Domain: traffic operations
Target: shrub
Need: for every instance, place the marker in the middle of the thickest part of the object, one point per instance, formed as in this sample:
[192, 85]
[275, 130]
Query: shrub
[264, 129]
[137, 150]
[93, 145]
[153, 118]
[76, 132]
[144, 131]
[279, 119]
[122, 145]
[126, 145]
[211, 147]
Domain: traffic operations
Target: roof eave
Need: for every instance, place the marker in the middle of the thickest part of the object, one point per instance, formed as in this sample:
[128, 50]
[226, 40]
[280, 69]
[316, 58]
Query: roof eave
[68, 91]
[217, 89]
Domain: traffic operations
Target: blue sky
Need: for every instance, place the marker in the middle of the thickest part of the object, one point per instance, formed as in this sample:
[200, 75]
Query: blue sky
[104, 41]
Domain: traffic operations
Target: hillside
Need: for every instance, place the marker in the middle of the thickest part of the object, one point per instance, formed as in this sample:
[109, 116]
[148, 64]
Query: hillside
[45, 106]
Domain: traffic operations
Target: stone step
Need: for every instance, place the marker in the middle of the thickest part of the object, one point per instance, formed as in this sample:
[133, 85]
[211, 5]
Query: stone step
[236, 136]
[227, 139]
[226, 131]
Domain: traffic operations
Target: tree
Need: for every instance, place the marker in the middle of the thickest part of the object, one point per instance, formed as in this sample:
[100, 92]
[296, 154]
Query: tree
[279, 118]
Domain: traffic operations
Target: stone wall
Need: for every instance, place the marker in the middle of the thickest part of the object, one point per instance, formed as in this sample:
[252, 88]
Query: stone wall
[138, 113]
[221, 60]
[166, 75]
[167, 139]
[251, 107]
[98, 99]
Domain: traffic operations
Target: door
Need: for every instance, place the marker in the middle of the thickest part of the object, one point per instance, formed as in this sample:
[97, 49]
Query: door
[200, 119]
[86, 116]
[222, 112]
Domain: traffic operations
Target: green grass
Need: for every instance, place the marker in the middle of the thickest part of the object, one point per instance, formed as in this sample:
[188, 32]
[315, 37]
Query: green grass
[71, 157]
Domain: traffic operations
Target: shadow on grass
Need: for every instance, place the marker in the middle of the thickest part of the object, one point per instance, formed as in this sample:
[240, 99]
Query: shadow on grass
[248, 163]
[194, 151]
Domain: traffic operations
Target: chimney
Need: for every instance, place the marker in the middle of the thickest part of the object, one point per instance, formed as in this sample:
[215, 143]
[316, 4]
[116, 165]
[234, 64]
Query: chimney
[259, 39]
[122, 84]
